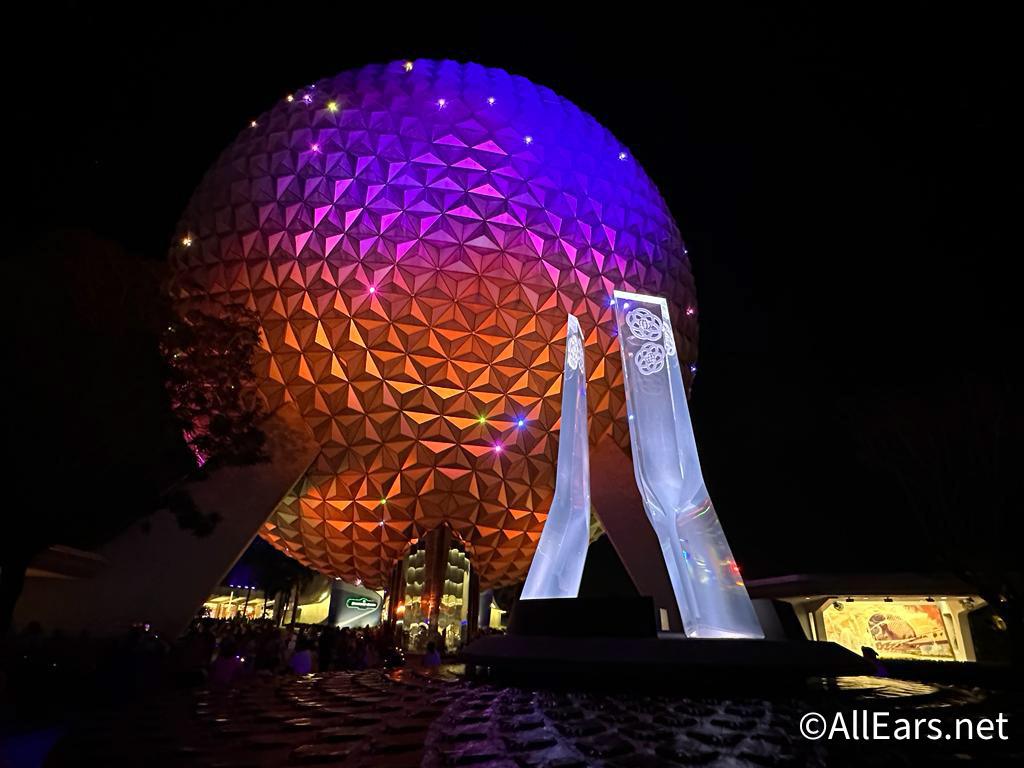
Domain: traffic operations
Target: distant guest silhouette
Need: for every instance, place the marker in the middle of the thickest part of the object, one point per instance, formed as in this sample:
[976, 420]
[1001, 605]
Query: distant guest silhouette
[301, 662]
[872, 655]
[432, 658]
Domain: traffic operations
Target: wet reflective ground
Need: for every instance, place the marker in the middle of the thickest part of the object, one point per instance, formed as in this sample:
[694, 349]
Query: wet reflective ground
[403, 718]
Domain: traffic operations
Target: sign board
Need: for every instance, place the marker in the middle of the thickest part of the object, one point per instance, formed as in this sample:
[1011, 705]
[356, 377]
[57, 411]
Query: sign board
[361, 603]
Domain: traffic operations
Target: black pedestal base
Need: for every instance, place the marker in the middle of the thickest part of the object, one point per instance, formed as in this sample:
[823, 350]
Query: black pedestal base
[611, 643]
[619, 663]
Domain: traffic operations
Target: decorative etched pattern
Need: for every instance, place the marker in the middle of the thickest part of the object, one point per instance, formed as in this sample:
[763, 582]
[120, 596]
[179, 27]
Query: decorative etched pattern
[644, 325]
[650, 358]
[574, 352]
[670, 343]
[412, 236]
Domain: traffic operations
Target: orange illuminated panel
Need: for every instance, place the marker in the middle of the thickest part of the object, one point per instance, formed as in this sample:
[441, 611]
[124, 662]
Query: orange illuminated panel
[905, 629]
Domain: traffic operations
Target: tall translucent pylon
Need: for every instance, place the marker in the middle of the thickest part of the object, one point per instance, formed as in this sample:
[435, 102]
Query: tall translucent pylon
[705, 579]
[558, 564]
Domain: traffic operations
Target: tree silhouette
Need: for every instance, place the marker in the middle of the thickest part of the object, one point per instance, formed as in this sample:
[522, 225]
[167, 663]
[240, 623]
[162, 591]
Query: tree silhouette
[95, 444]
[275, 573]
[209, 349]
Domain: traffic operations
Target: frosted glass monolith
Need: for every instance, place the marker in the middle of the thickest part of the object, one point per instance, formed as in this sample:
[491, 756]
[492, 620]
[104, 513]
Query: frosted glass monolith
[557, 566]
[705, 579]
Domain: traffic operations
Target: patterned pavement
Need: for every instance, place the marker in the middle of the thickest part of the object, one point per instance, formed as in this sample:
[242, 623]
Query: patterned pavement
[401, 718]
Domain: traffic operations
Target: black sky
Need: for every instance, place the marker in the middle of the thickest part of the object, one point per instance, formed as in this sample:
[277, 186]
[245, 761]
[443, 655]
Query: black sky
[845, 181]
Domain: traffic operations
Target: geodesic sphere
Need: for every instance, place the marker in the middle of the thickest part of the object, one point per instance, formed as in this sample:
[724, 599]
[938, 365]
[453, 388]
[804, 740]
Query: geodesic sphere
[412, 236]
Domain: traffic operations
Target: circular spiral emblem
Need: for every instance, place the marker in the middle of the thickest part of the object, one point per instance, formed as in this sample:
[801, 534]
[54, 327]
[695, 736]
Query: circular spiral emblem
[650, 359]
[574, 352]
[644, 325]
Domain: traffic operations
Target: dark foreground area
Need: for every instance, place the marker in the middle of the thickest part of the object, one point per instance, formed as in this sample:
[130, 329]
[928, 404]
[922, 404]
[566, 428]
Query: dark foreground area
[405, 717]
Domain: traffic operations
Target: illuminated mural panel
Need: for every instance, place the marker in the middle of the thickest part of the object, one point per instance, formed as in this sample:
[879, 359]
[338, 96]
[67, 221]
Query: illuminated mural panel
[706, 581]
[412, 236]
[899, 629]
[562, 552]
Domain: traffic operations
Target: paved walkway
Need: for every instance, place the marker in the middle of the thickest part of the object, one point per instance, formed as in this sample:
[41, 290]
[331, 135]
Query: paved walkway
[401, 719]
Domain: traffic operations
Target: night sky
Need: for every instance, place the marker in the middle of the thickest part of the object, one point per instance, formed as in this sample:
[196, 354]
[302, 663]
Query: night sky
[844, 183]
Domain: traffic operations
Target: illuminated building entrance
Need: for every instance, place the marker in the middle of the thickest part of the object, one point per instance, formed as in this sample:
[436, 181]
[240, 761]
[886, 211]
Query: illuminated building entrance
[434, 593]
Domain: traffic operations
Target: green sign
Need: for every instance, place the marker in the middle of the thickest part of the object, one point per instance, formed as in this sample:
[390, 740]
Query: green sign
[361, 603]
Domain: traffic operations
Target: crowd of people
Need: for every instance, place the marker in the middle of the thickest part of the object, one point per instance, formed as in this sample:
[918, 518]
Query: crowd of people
[223, 651]
[40, 670]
